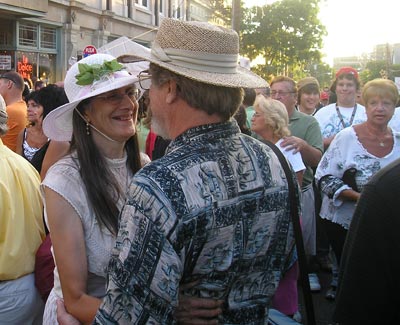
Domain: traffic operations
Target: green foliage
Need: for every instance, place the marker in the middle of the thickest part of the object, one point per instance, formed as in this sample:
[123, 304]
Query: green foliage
[221, 10]
[379, 69]
[287, 34]
[88, 73]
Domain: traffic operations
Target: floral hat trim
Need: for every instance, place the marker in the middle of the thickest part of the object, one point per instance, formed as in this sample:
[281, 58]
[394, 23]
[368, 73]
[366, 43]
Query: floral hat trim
[90, 73]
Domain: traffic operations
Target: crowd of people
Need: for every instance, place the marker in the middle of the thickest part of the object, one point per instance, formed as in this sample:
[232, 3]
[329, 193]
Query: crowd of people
[195, 227]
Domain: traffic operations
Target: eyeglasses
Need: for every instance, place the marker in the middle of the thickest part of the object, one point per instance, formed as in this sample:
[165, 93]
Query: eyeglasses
[144, 79]
[116, 98]
[281, 93]
[7, 77]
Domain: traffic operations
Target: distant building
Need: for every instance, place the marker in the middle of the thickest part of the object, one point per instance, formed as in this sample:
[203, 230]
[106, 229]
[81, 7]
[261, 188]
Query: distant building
[41, 39]
[352, 61]
[381, 52]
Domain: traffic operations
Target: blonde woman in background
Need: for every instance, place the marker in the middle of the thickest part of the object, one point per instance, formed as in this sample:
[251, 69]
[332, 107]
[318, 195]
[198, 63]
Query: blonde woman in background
[270, 121]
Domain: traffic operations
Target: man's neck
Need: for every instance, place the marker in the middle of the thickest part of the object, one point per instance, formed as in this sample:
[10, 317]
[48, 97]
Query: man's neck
[347, 104]
[12, 99]
[290, 111]
[308, 111]
[187, 117]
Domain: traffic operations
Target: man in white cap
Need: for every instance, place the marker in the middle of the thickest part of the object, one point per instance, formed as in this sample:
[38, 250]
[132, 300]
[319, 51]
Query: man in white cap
[212, 215]
[22, 232]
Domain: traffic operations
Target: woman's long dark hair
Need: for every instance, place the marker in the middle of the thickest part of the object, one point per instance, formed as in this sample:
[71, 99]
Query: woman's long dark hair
[102, 188]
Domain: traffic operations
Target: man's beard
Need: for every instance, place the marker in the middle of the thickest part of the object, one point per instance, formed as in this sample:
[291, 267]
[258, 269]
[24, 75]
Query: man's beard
[159, 128]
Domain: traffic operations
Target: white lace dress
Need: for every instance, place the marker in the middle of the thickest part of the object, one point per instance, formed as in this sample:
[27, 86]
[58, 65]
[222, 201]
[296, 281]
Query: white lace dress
[64, 179]
[345, 152]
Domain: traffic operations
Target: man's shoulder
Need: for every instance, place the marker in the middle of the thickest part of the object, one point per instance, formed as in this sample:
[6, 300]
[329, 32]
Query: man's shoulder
[302, 117]
[17, 110]
[325, 111]
[303, 123]
[15, 162]
[16, 106]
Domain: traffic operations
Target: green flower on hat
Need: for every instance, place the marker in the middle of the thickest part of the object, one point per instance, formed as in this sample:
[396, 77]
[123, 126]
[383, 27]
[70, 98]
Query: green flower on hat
[88, 73]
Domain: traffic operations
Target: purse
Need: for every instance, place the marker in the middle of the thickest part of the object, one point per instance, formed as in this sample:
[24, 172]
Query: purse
[277, 318]
[349, 178]
[44, 268]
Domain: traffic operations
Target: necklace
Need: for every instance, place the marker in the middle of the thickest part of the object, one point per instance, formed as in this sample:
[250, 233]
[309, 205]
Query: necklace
[341, 117]
[381, 141]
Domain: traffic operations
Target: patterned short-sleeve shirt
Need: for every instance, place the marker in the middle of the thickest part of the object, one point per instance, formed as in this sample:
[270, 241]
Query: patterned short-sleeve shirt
[214, 210]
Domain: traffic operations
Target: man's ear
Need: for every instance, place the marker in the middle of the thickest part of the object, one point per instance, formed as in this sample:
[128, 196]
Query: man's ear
[172, 92]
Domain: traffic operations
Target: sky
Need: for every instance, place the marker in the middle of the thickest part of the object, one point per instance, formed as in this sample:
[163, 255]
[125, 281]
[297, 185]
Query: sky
[355, 26]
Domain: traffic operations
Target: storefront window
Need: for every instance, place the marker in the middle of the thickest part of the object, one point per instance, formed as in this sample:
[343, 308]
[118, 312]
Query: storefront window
[47, 68]
[26, 66]
[6, 32]
[6, 61]
[48, 38]
[34, 66]
[28, 34]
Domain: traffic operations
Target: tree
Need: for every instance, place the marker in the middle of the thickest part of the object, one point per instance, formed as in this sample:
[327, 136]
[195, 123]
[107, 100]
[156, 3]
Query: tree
[221, 10]
[287, 34]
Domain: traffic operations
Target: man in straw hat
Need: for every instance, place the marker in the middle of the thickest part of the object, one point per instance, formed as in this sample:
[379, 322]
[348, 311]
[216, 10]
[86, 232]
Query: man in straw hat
[21, 233]
[211, 217]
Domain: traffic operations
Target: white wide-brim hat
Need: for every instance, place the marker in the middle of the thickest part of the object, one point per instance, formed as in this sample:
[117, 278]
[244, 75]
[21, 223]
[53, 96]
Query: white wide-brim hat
[116, 48]
[198, 51]
[58, 123]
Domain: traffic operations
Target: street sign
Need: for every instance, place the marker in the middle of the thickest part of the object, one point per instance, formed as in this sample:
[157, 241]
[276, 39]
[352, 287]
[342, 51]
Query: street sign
[89, 50]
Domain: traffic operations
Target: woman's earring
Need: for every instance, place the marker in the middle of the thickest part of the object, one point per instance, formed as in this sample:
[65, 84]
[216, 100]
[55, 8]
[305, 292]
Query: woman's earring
[87, 128]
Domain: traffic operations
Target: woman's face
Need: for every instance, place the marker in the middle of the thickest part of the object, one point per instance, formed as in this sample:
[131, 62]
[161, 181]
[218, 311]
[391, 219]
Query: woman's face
[258, 124]
[35, 111]
[379, 110]
[115, 113]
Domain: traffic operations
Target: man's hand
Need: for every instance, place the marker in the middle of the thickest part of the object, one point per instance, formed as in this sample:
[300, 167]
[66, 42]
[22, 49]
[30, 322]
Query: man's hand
[293, 143]
[197, 311]
[63, 317]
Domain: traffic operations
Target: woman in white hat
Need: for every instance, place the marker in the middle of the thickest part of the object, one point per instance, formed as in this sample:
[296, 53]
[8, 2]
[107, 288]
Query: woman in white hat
[85, 190]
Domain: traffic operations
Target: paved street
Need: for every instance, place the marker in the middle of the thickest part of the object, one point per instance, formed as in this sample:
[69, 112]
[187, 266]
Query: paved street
[323, 308]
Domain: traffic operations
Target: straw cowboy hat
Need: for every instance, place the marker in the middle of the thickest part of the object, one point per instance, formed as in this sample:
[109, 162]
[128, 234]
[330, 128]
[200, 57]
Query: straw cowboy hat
[196, 50]
[101, 74]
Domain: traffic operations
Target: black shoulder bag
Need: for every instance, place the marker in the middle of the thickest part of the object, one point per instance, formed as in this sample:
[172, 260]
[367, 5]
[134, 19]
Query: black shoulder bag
[294, 204]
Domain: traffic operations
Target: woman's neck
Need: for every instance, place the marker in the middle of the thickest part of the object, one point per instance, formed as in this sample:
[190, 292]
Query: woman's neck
[110, 149]
[376, 129]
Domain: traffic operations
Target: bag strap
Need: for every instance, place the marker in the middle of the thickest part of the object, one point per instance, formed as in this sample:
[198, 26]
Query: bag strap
[294, 209]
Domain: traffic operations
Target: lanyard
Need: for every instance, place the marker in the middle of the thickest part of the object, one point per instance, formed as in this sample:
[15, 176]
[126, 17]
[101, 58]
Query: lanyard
[341, 117]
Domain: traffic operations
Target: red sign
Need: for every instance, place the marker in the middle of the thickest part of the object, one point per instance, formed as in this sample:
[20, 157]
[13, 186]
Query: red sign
[89, 50]
[24, 68]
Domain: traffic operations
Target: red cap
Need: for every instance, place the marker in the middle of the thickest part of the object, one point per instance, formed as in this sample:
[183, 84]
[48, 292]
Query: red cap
[347, 70]
[324, 95]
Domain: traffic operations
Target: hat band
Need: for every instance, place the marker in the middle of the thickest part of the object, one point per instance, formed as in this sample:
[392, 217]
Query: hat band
[202, 61]
[104, 81]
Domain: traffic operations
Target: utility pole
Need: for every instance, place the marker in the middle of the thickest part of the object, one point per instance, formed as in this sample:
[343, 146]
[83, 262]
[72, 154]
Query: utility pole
[236, 15]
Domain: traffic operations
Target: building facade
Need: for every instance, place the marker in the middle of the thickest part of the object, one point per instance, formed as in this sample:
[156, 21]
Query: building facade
[42, 39]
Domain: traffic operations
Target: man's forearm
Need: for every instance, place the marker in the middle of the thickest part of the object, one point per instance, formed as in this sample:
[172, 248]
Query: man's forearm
[311, 156]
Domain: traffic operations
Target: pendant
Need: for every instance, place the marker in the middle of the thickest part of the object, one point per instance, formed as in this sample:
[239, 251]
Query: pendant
[381, 144]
